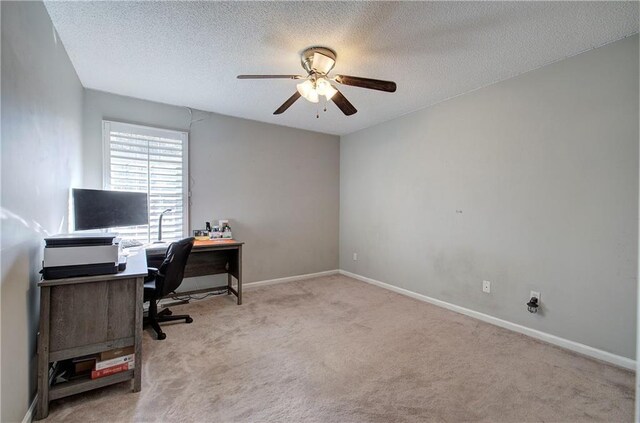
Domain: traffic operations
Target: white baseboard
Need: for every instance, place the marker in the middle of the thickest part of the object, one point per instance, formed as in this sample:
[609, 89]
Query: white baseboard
[28, 418]
[617, 360]
[250, 285]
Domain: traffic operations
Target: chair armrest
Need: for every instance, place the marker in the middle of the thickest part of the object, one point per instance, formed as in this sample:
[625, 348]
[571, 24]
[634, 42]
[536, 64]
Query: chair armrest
[152, 272]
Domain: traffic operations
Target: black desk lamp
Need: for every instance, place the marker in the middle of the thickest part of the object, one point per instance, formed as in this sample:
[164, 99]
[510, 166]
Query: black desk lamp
[160, 225]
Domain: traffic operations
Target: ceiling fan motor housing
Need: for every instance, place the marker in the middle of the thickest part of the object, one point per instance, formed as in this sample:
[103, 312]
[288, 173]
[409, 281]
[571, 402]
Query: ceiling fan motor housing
[318, 60]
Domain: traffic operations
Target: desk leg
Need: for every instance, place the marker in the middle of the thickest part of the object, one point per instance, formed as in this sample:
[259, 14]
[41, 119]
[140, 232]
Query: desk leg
[240, 275]
[229, 283]
[137, 371]
[42, 409]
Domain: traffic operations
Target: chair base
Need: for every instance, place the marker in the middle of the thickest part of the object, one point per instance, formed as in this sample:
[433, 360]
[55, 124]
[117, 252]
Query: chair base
[154, 319]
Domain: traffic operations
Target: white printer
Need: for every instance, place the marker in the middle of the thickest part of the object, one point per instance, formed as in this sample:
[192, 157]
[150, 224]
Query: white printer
[80, 254]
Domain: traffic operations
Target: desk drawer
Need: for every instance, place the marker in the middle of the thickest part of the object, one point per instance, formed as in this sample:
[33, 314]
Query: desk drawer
[203, 263]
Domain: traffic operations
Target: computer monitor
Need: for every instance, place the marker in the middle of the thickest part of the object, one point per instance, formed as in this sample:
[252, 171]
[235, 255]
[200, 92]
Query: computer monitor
[99, 209]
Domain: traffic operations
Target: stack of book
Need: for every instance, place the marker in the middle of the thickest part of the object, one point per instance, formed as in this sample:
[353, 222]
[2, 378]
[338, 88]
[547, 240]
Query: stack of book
[92, 366]
[113, 361]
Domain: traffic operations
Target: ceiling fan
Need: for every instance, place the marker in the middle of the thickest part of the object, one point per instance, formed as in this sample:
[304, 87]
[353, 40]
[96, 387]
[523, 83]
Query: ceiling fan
[318, 62]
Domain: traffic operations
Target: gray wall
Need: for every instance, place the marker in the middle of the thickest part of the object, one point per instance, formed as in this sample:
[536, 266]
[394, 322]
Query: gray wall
[41, 148]
[279, 186]
[531, 183]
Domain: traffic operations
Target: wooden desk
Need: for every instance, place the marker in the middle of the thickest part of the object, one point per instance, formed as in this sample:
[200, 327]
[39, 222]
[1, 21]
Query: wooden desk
[89, 315]
[211, 257]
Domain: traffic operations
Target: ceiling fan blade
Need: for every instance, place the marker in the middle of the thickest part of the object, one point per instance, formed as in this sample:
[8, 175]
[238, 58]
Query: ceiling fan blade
[343, 104]
[287, 103]
[372, 84]
[270, 77]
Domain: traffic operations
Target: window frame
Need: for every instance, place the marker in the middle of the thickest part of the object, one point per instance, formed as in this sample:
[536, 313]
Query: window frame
[153, 131]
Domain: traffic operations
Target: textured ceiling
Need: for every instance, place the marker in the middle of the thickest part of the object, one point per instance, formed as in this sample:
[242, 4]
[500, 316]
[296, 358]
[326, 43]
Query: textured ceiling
[189, 53]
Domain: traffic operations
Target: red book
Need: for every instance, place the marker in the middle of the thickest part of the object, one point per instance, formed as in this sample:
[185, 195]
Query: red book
[95, 374]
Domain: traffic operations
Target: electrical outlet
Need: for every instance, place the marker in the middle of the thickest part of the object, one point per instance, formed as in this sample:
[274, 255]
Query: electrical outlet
[535, 294]
[355, 256]
[486, 287]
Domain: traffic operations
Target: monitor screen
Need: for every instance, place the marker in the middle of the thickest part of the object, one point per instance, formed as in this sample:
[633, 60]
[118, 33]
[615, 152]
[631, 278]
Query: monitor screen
[98, 209]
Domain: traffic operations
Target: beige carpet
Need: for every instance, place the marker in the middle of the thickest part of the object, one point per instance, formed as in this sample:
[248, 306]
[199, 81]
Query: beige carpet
[338, 350]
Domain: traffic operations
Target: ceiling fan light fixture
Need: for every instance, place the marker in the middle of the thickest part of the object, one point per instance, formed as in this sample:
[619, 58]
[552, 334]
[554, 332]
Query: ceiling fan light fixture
[322, 64]
[321, 86]
[308, 91]
[313, 96]
[329, 91]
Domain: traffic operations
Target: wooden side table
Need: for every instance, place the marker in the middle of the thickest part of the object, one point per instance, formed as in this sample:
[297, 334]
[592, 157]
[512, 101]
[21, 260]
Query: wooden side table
[89, 315]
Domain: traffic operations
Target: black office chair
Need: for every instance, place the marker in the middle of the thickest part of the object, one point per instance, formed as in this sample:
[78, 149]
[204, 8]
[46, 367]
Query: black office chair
[161, 282]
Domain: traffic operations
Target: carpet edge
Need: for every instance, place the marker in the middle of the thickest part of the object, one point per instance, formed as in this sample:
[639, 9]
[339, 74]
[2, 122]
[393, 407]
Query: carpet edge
[577, 347]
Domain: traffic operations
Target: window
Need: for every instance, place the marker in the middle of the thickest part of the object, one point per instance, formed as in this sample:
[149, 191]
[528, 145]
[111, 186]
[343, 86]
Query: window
[155, 161]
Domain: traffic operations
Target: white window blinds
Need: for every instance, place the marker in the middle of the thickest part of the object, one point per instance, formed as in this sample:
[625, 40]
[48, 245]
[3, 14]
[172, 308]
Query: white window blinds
[154, 161]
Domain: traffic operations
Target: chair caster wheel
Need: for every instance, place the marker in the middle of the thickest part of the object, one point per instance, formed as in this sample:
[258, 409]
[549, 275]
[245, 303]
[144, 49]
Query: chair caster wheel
[189, 320]
[162, 336]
